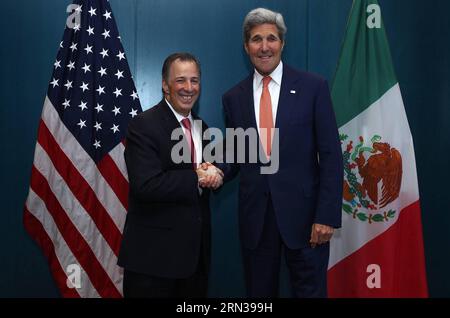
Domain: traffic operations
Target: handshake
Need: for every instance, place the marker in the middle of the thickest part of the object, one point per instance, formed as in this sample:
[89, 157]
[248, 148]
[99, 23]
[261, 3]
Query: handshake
[209, 176]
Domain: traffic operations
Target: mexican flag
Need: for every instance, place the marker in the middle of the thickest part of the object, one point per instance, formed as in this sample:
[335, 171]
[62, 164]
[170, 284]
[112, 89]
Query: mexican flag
[378, 252]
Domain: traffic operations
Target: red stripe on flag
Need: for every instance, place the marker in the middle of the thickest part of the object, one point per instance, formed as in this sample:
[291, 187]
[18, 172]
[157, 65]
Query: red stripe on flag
[79, 247]
[115, 179]
[80, 188]
[398, 252]
[38, 233]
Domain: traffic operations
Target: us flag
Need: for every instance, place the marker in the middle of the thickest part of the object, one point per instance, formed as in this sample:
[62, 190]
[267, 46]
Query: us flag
[77, 201]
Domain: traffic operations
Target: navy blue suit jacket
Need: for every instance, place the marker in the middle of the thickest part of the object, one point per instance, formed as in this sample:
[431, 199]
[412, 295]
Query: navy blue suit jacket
[307, 188]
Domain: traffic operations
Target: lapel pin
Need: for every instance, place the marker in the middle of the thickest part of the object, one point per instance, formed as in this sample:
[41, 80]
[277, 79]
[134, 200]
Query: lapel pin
[292, 92]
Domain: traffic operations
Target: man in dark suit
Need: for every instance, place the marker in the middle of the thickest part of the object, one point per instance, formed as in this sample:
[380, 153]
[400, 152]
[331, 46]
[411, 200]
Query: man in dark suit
[166, 239]
[295, 209]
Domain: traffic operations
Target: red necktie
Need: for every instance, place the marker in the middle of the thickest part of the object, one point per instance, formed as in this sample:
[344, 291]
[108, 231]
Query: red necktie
[187, 124]
[266, 117]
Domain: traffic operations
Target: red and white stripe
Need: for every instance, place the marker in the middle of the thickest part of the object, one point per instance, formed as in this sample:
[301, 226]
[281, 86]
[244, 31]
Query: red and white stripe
[76, 209]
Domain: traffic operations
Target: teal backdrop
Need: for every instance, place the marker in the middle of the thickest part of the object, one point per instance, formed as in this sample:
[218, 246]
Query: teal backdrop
[418, 32]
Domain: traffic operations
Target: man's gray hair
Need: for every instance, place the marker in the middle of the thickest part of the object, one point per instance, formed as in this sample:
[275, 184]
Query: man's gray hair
[261, 16]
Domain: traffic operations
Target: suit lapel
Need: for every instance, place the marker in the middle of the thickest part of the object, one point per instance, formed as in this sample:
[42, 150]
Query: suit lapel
[288, 95]
[171, 123]
[289, 92]
[202, 130]
[247, 103]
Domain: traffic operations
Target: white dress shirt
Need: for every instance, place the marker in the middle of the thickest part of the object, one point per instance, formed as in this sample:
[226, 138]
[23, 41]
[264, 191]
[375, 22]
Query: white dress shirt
[195, 132]
[274, 89]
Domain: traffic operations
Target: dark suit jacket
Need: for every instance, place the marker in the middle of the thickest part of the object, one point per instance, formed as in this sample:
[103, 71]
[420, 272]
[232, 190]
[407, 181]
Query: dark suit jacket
[167, 218]
[306, 189]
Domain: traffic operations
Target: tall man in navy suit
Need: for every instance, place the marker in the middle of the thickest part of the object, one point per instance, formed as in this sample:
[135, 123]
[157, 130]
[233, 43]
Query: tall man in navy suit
[295, 209]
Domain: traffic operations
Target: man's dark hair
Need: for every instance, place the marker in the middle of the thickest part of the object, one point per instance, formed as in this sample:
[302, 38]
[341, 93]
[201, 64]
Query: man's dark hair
[183, 57]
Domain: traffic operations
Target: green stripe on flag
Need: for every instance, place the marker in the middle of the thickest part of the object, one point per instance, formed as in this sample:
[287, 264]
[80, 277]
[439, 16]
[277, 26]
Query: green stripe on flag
[364, 71]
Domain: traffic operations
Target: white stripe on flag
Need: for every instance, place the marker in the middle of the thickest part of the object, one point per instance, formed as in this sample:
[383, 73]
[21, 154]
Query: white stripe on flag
[84, 164]
[117, 156]
[385, 117]
[79, 217]
[65, 257]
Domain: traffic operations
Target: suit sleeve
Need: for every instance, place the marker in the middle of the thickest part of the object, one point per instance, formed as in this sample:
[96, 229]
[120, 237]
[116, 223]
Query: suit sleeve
[148, 181]
[329, 203]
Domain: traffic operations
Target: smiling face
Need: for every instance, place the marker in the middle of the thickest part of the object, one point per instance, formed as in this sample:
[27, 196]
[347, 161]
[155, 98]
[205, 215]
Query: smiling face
[182, 87]
[264, 48]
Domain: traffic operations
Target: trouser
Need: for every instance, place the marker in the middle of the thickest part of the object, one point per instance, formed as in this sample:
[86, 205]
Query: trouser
[138, 285]
[307, 266]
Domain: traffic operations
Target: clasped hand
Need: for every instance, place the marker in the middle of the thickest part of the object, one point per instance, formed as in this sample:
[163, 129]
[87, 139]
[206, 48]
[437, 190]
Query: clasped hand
[209, 176]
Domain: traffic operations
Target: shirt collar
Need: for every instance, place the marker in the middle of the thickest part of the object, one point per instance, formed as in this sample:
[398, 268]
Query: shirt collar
[177, 115]
[276, 75]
